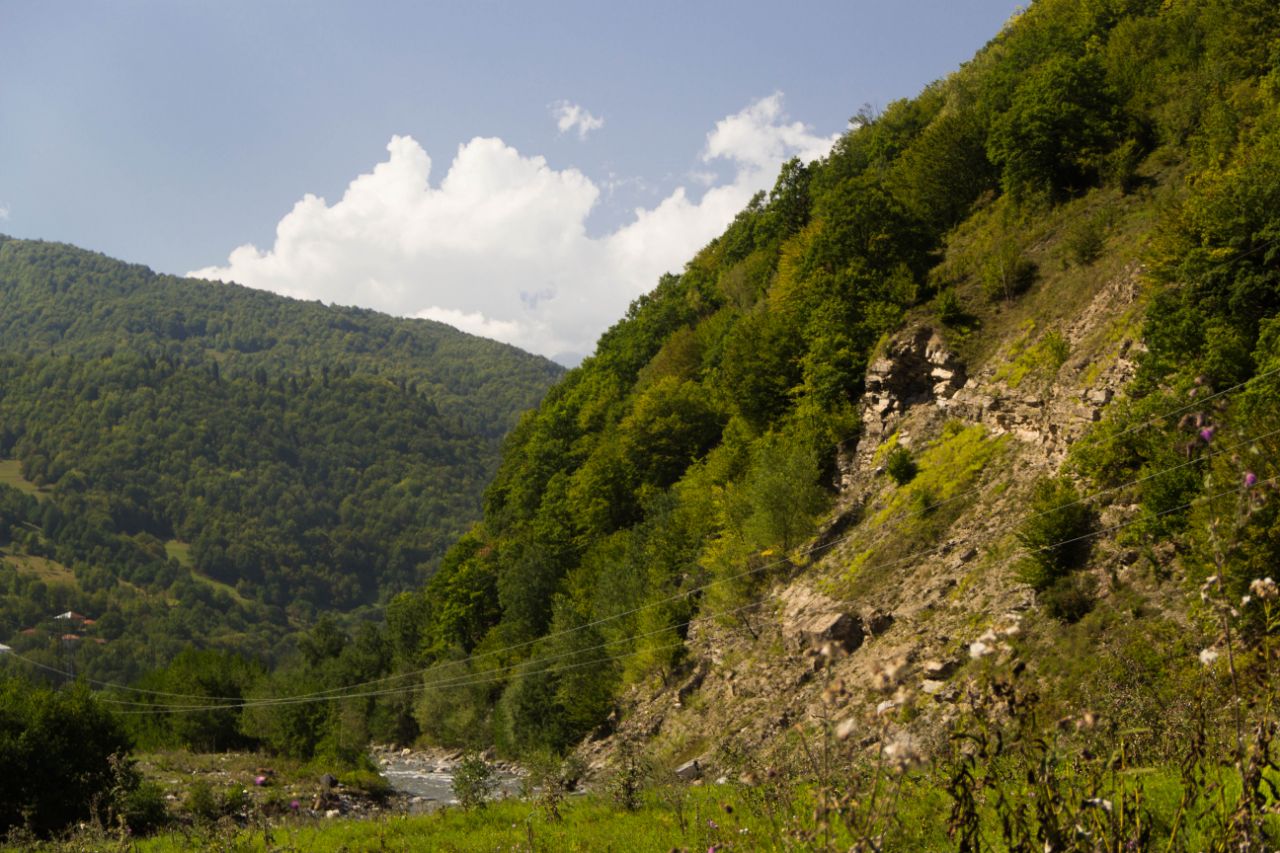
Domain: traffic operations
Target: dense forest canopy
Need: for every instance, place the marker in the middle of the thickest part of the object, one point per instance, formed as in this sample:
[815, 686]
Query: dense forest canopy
[56, 299]
[197, 462]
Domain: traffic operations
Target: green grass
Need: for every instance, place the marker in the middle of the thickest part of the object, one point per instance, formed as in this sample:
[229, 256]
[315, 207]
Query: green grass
[729, 817]
[51, 572]
[180, 551]
[726, 817]
[947, 467]
[913, 515]
[218, 585]
[1041, 359]
[11, 475]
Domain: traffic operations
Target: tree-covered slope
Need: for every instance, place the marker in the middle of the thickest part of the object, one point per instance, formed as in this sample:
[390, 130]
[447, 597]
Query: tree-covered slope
[59, 299]
[181, 453]
[675, 472]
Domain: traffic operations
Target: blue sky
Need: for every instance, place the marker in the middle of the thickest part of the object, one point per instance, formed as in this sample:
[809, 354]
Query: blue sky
[171, 133]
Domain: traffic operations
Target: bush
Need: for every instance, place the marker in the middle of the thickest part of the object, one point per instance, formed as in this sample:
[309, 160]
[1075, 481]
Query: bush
[900, 467]
[924, 501]
[143, 808]
[59, 756]
[201, 803]
[1052, 534]
[1085, 241]
[1007, 273]
[631, 769]
[950, 311]
[1069, 598]
[473, 782]
[550, 779]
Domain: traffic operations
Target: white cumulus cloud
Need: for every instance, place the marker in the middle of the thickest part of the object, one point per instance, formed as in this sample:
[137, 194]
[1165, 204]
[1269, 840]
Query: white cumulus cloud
[759, 138]
[574, 117]
[498, 246]
[4, 211]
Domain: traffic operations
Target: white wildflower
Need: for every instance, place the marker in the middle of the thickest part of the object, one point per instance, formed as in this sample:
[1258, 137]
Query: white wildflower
[980, 649]
[902, 752]
[846, 728]
[1265, 589]
[1208, 656]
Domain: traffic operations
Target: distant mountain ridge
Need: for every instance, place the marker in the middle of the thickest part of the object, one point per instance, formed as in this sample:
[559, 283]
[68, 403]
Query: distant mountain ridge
[59, 298]
[215, 464]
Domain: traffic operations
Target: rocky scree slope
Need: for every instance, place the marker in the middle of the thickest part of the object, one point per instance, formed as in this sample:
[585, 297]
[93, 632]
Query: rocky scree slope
[870, 635]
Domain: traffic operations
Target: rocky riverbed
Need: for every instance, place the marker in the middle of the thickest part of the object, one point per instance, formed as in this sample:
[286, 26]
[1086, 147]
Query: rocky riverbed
[423, 779]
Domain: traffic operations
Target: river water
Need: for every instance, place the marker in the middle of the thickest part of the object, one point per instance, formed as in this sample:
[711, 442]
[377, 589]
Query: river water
[417, 776]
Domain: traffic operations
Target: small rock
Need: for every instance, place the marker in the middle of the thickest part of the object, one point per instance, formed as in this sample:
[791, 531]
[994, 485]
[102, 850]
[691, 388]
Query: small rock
[689, 771]
[877, 622]
[332, 813]
[937, 669]
[1100, 396]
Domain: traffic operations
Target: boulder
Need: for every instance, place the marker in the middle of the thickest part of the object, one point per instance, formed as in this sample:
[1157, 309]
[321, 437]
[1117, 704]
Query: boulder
[689, 771]
[835, 629]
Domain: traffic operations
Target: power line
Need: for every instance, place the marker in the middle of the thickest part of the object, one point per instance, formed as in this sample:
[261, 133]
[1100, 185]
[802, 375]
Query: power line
[492, 676]
[336, 692]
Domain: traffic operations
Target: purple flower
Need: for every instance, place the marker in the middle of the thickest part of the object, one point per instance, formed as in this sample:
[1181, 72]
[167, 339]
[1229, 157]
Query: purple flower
[295, 805]
[712, 824]
[1207, 434]
[259, 780]
[1250, 479]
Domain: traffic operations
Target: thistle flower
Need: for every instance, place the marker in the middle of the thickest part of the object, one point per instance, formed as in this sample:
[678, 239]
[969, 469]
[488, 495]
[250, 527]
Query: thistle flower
[1206, 434]
[1250, 479]
[1264, 589]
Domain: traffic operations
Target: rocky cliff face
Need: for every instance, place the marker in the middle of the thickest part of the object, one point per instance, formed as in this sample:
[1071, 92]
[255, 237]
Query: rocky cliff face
[918, 369]
[820, 649]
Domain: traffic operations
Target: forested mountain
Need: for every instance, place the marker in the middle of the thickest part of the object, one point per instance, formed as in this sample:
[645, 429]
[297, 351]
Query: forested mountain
[243, 459]
[57, 299]
[674, 474]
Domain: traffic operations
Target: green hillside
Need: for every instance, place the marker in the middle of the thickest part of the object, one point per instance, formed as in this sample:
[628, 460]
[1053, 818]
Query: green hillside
[675, 476]
[217, 465]
[57, 299]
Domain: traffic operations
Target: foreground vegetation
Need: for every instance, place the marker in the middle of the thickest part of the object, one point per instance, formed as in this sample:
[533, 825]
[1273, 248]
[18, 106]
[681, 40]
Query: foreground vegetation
[1004, 779]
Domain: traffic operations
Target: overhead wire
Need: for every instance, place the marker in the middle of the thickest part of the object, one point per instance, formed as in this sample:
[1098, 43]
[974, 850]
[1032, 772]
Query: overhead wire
[494, 676]
[338, 691]
[344, 691]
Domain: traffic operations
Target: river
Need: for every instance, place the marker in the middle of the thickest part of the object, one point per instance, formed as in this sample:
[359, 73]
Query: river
[431, 779]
